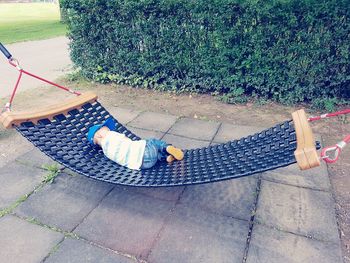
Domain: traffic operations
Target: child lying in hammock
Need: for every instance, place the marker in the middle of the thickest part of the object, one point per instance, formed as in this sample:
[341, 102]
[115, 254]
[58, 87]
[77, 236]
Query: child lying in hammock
[142, 154]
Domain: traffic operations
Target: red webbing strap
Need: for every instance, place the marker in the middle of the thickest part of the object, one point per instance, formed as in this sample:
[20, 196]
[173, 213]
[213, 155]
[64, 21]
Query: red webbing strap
[15, 64]
[51, 83]
[337, 148]
[328, 115]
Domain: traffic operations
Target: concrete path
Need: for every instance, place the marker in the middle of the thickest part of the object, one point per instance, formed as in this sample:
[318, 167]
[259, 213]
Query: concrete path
[279, 216]
[47, 58]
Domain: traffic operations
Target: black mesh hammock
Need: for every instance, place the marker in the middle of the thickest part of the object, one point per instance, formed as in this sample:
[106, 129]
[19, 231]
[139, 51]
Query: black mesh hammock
[64, 139]
[61, 134]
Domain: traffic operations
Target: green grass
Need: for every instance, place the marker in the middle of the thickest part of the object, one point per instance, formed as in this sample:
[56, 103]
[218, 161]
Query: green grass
[53, 170]
[30, 21]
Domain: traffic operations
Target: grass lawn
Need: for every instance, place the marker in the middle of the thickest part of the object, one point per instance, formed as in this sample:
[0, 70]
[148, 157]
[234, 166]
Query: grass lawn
[29, 21]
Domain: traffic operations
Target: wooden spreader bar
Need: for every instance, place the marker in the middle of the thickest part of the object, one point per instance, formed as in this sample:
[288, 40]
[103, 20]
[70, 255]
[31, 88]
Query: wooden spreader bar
[305, 154]
[9, 119]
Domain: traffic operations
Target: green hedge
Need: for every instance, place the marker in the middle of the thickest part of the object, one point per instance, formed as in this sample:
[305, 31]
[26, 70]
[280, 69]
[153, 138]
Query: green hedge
[286, 50]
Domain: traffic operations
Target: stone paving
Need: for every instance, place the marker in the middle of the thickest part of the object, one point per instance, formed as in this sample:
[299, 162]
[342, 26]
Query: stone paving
[279, 216]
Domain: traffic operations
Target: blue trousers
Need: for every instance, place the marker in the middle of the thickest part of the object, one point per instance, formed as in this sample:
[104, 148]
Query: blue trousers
[155, 150]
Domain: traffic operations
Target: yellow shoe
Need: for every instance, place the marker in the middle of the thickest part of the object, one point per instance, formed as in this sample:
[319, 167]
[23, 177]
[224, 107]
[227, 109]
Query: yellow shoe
[170, 159]
[175, 152]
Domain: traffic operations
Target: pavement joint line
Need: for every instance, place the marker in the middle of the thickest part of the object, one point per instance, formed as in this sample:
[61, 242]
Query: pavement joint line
[207, 210]
[294, 233]
[69, 172]
[45, 180]
[143, 129]
[296, 186]
[304, 235]
[53, 250]
[111, 250]
[252, 220]
[182, 136]
[100, 201]
[29, 164]
[146, 129]
[68, 234]
[167, 131]
[217, 131]
[213, 212]
[144, 111]
[35, 221]
[167, 219]
[138, 115]
[191, 138]
[217, 143]
[299, 186]
[54, 171]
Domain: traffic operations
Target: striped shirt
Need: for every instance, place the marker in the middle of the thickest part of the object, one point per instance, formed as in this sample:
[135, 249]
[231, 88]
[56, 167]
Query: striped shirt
[122, 150]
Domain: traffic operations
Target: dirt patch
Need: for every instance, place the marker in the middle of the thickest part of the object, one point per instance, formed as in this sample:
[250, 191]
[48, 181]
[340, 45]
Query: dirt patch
[206, 107]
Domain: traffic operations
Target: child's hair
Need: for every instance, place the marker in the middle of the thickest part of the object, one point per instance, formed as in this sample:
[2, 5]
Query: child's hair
[110, 123]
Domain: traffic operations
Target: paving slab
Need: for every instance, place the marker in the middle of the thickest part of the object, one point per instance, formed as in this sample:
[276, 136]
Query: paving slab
[38, 159]
[299, 210]
[192, 235]
[273, 246]
[16, 180]
[77, 251]
[126, 221]
[12, 145]
[316, 178]
[228, 132]
[154, 121]
[185, 143]
[123, 115]
[234, 198]
[196, 129]
[146, 134]
[24, 242]
[65, 202]
[163, 193]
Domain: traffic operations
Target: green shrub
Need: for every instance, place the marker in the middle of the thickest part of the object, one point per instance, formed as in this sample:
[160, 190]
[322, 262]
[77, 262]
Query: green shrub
[286, 50]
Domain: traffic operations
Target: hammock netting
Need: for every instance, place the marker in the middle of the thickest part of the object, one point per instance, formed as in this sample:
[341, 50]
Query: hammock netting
[64, 139]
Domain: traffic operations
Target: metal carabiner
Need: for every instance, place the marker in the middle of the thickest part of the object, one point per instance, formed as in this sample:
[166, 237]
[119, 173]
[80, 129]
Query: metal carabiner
[14, 62]
[336, 151]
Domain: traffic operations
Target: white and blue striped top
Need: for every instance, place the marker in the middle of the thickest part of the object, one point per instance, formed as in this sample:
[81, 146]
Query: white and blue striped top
[122, 150]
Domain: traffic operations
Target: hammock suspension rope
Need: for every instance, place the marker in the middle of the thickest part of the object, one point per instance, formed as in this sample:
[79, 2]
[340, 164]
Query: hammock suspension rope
[15, 63]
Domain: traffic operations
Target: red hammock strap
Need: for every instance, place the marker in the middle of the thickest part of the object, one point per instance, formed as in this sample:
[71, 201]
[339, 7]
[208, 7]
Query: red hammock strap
[328, 115]
[14, 62]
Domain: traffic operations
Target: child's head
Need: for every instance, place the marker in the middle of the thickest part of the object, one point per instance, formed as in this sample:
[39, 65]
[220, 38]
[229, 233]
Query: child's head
[98, 132]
